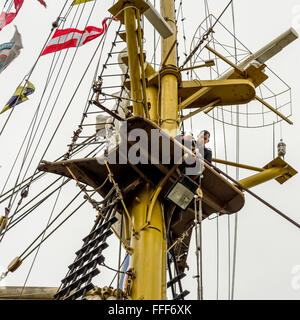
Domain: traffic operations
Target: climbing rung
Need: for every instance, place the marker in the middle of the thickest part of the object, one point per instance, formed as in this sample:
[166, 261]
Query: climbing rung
[86, 143]
[91, 124]
[101, 228]
[79, 281]
[181, 295]
[98, 260]
[110, 87]
[89, 255]
[80, 292]
[93, 112]
[101, 237]
[114, 75]
[116, 52]
[112, 98]
[176, 279]
[114, 63]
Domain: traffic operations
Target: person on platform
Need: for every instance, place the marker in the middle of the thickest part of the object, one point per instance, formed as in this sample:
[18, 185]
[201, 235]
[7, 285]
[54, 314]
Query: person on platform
[202, 139]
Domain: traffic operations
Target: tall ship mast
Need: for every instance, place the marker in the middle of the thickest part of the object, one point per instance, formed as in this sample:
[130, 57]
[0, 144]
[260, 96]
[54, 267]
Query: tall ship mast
[137, 157]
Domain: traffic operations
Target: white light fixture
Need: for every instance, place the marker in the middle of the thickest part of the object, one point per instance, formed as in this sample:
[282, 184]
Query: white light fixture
[182, 192]
[267, 52]
[272, 48]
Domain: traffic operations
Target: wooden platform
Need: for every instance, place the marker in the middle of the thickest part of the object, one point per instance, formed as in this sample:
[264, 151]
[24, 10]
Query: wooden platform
[218, 194]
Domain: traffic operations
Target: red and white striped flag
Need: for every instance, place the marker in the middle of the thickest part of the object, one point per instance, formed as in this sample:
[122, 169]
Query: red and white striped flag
[67, 38]
[8, 17]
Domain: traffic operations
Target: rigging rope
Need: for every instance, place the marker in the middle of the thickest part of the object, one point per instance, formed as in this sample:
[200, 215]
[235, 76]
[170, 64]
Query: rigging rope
[207, 14]
[27, 152]
[114, 277]
[39, 175]
[55, 82]
[119, 259]
[198, 240]
[68, 217]
[70, 101]
[31, 71]
[225, 150]
[31, 125]
[20, 259]
[204, 37]
[38, 249]
[50, 74]
[41, 201]
[237, 169]
[16, 221]
[254, 195]
[208, 22]
[6, 4]
[30, 143]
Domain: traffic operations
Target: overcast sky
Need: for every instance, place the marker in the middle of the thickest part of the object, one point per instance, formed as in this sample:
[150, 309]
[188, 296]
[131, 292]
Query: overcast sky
[267, 245]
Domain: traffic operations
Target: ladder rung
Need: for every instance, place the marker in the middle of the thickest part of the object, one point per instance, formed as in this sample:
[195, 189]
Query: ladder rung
[114, 63]
[181, 295]
[111, 99]
[91, 124]
[103, 236]
[176, 279]
[85, 144]
[80, 292]
[114, 75]
[104, 226]
[99, 259]
[93, 112]
[89, 255]
[73, 285]
[111, 87]
[85, 137]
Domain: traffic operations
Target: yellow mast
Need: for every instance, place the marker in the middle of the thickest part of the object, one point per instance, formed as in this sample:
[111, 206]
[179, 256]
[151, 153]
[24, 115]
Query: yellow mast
[148, 240]
[169, 73]
[148, 260]
[132, 48]
[147, 270]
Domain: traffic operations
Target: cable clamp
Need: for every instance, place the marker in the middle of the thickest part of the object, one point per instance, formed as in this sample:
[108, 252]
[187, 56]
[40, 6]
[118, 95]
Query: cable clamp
[25, 192]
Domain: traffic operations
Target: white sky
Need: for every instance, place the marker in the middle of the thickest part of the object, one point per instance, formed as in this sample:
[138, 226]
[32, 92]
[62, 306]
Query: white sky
[267, 245]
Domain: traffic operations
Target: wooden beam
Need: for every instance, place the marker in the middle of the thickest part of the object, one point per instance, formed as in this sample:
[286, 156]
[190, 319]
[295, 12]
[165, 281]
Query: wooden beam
[29, 293]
